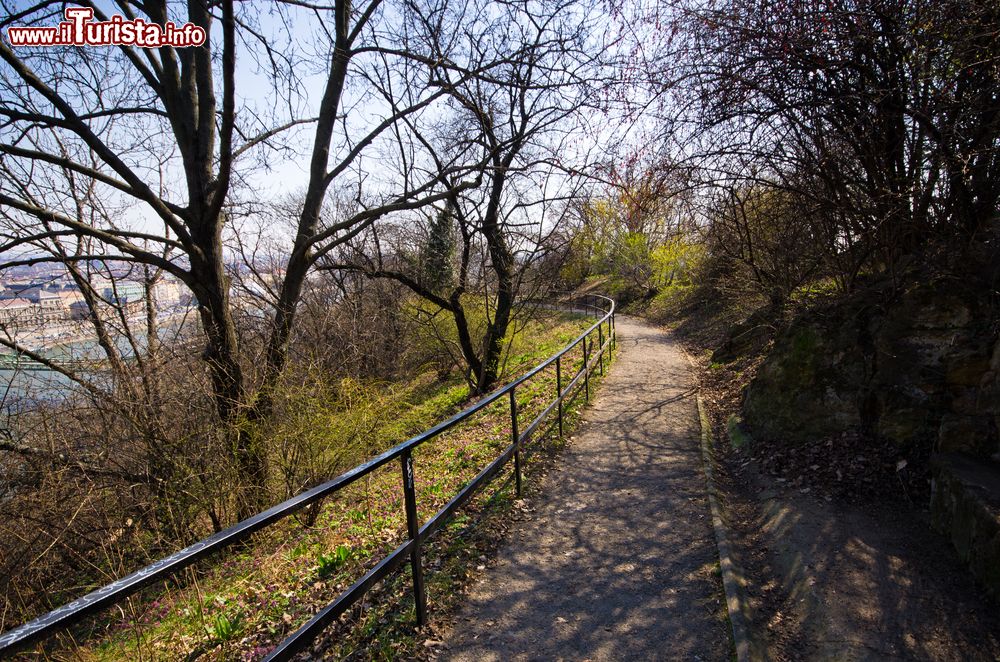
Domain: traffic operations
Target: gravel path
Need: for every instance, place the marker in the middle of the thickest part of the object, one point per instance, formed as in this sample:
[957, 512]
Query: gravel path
[619, 561]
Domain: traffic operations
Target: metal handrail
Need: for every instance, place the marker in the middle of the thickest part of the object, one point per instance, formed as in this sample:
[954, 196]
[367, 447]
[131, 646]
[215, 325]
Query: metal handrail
[73, 612]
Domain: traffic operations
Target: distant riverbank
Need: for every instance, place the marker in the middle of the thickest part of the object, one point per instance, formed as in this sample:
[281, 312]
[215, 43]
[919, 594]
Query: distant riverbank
[24, 382]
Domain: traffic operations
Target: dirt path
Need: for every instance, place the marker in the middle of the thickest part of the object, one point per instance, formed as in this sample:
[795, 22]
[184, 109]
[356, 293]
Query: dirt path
[619, 561]
[876, 584]
[857, 583]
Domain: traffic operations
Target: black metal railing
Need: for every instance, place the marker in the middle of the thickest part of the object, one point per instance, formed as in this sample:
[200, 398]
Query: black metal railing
[417, 533]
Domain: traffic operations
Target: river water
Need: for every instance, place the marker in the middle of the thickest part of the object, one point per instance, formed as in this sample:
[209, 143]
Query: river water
[25, 383]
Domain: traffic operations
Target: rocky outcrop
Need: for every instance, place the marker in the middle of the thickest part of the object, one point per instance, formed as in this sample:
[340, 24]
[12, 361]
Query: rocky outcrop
[920, 366]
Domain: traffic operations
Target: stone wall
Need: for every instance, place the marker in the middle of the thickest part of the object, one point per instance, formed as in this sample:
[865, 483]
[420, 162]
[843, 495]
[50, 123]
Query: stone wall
[917, 367]
[965, 506]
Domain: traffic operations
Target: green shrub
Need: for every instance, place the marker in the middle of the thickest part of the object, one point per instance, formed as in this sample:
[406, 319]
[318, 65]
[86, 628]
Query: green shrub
[329, 564]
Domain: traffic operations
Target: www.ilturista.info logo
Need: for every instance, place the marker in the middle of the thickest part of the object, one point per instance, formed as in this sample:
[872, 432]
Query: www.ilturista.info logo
[80, 29]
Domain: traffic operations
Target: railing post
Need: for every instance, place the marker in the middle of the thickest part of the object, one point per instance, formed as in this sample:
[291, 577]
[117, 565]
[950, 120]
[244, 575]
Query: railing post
[614, 333]
[586, 371]
[517, 443]
[559, 392]
[600, 345]
[413, 530]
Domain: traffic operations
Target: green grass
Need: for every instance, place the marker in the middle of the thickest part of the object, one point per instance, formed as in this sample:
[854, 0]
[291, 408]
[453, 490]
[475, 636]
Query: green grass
[815, 289]
[238, 605]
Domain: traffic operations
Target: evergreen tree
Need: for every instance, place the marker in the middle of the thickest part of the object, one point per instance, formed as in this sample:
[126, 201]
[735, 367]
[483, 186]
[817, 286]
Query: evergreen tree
[438, 272]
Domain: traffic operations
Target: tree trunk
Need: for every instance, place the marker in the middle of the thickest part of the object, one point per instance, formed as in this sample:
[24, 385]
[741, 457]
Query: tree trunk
[503, 266]
[229, 385]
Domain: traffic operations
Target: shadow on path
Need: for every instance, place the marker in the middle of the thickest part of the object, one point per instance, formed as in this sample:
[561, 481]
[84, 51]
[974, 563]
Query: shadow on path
[619, 560]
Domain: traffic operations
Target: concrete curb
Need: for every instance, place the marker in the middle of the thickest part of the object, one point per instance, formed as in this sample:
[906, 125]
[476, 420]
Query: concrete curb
[736, 602]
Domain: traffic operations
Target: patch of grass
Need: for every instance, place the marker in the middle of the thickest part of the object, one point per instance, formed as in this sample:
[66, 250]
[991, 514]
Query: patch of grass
[261, 593]
[329, 564]
[816, 289]
[452, 558]
[224, 628]
[666, 303]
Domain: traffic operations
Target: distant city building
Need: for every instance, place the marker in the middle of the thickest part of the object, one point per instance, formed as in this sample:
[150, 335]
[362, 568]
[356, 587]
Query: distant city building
[16, 312]
[45, 300]
[50, 306]
[167, 292]
[69, 297]
[123, 292]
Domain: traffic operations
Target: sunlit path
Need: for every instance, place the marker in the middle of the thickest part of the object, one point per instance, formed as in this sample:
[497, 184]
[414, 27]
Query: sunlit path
[619, 559]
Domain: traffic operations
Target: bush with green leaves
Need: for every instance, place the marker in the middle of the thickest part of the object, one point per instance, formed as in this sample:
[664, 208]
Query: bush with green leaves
[329, 564]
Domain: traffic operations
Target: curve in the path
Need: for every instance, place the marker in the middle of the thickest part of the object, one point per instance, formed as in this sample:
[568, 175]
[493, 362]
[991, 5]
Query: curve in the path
[618, 561]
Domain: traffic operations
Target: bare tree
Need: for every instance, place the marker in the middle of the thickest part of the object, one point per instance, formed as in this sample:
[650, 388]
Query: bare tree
[882, 112]
[167, 130]
[517, 123]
